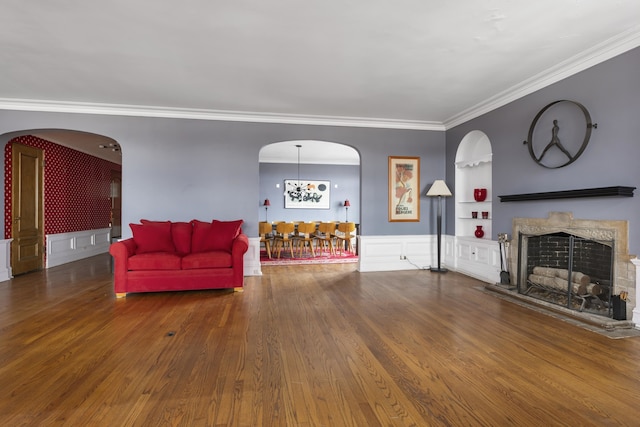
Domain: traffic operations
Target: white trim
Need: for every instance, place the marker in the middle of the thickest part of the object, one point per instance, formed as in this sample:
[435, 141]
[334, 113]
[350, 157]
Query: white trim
[636, 310]
[597, 54]
[201, 114]
[68, 247]
[252, 266]
[5, 254]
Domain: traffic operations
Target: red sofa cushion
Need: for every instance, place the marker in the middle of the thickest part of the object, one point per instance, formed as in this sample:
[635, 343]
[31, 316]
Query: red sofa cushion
[213, 259]
[155, 261]
[214, 236]
[152, 237]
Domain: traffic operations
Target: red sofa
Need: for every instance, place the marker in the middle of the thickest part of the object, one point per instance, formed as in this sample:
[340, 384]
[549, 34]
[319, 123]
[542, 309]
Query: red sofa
[179, 256]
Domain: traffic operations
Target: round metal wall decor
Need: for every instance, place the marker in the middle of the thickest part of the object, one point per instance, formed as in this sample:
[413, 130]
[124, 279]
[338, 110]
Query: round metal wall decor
[545, 140]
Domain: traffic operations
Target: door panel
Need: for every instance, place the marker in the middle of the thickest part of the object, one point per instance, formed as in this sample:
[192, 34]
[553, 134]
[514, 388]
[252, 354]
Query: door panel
[27, 209]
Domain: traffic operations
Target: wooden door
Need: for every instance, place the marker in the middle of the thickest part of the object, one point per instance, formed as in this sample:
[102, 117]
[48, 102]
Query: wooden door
[27, 209]
[116, 203]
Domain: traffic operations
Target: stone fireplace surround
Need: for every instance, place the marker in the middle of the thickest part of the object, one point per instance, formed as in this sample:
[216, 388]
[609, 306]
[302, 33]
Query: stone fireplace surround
[624, 265]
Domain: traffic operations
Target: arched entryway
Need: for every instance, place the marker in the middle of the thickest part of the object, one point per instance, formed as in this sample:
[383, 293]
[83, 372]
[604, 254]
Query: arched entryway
[332, 166]
[67, 209]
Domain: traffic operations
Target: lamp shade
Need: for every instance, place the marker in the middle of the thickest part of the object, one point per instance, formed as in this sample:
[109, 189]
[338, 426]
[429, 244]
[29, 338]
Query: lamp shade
[266, 202]
[347, 203]
[439, 188]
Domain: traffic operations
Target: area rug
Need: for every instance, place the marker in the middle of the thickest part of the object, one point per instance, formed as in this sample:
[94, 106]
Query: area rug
[324, 258]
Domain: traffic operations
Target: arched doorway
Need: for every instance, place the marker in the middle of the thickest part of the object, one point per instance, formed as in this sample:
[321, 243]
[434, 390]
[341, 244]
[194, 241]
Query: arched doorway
[70, 211]
[336, 163]
[334, 167]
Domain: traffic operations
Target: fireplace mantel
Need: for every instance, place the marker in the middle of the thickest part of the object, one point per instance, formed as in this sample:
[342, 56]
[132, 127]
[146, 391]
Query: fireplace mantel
[618, 191]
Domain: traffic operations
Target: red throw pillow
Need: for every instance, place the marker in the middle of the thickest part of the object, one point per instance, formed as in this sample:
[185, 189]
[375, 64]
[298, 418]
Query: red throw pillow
[199, 236]
[152, 237]
[214, 236]
[223, 233]
[181, 233]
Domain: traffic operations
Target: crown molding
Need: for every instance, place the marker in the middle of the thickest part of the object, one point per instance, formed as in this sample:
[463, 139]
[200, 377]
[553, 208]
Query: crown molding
[599, 53]
[219, 115]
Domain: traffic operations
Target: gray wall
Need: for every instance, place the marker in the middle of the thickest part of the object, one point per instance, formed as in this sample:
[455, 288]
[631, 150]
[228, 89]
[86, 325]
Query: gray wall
[346, 177]
[183, 169]
[611, 93]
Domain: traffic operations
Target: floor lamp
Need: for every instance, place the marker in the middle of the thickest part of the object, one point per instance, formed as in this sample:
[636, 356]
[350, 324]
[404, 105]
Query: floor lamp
[439, 189]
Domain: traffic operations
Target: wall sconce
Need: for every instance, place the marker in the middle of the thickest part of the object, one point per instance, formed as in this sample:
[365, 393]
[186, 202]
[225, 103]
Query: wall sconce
[346, 208]
[266, 205]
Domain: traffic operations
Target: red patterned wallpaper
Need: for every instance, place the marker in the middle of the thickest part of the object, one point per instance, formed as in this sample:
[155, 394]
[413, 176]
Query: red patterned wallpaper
[77, 188]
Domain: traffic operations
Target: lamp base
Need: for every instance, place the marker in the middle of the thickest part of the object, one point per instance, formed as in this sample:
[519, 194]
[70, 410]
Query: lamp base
[438, 270]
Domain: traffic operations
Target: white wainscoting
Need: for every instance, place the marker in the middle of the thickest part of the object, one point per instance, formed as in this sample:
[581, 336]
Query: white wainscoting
[5, 260]
[252, 258]
[478, 258]
[68, 247]
[389, 253]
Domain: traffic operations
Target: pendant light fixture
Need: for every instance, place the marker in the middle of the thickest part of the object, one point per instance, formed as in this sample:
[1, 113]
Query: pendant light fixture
[297, 188]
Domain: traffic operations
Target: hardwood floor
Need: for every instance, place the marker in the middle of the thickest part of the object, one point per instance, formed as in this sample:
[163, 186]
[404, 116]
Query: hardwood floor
[301, 346]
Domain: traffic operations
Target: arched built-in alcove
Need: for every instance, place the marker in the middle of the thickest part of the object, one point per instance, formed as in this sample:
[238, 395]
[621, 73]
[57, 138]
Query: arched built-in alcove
[473, 171]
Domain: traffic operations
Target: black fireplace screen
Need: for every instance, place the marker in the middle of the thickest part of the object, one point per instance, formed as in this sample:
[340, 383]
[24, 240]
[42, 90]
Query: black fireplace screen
[567, 270]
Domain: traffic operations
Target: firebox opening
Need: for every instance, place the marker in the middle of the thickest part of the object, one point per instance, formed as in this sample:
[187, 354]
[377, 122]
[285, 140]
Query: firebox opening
[567, 270]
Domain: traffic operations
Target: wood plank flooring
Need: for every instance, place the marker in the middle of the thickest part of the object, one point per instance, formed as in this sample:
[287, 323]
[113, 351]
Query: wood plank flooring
[301, 346]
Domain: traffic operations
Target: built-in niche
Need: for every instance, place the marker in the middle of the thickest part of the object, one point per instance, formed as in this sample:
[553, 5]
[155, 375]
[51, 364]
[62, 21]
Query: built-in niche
[473, 172]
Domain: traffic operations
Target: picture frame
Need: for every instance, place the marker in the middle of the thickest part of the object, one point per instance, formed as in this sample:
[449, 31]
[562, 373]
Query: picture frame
[307, 194]
[404, 189]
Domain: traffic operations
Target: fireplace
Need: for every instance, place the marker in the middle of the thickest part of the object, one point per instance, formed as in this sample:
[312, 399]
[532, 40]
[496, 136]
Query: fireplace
[581, 265]
[567, 270]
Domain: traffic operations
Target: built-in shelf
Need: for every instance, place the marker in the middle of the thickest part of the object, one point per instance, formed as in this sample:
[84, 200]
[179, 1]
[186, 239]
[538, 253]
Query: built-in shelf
[618, 191]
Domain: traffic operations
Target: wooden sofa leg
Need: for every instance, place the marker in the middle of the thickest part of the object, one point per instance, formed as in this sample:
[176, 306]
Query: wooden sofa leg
[240, 289]
[121, 294]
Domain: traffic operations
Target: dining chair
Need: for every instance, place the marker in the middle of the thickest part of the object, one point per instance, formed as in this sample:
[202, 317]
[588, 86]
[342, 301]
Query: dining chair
[304, 237]
[344, 235]
[283, 237]
[266, 235]
[324, 236]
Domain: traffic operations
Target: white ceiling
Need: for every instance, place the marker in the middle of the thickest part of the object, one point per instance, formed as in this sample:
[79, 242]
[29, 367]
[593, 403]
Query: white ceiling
[420, 64]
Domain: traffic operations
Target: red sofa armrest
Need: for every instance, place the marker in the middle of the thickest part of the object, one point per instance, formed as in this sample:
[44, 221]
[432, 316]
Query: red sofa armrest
[121, 251]
[239, 247]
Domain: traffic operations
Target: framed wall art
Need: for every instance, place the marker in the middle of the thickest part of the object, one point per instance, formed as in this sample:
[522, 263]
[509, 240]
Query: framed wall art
[306, 194]
[404, 189]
